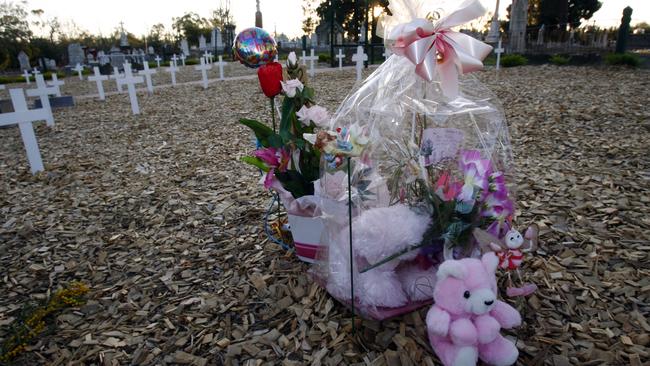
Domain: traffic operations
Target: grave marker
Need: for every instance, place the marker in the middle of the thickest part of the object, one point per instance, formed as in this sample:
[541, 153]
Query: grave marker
[499, 50]
[172, 69]
[117, 76]
[43, 92]
[183, 57]
[26, 75]
[24, 117]
[99, 78]
[340, 56]
[56, 83]
[302, 59]
[158, 59]
[311, 58]
[79, 69]
[203, 67]
[359, 59]
[175, 60]
[221, 64]
[130, 80]
[147, 72]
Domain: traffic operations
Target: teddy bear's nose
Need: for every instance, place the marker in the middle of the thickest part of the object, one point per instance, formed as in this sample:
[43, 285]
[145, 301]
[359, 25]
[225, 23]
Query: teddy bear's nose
[488, 303]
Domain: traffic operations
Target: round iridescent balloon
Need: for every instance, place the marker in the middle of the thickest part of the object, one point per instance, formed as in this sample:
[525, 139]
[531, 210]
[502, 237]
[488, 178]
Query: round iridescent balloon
[255, 47]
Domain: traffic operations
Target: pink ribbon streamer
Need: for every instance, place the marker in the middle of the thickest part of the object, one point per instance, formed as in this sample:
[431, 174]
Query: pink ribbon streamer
[435, 49]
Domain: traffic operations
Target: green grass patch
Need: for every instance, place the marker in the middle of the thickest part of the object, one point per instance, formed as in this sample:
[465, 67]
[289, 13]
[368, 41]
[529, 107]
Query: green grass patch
[513, 60]
[559, 60]
[623, 59]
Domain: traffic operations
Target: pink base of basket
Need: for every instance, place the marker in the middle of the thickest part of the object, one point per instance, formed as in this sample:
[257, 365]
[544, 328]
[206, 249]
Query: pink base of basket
[306, 232]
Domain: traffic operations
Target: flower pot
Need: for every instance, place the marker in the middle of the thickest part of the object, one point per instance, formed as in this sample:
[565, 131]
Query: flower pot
[306, 232]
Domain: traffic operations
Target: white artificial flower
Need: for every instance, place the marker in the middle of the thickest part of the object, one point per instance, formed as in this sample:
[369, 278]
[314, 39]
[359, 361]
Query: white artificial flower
[292, 60]
[289, 87]
[316, 114]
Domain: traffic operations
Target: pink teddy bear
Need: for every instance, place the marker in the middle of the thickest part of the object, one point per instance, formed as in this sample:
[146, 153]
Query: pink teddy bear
[465, 321]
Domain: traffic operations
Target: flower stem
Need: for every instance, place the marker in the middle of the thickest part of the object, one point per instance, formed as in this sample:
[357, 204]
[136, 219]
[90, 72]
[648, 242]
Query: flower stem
[273, 113]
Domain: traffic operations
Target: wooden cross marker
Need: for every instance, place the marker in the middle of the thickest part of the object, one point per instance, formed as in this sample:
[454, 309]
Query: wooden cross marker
[340, 56]
[311, 58]
[147, 72]
[56, 84]
[203, 67]
[130, 80]
[79, 69]
[499, 50]
[117, 76]
[183, 57]
[302, 59]
[359, 59]
[26, 75]
[175, 60]
[221, 64]
[158, 59]
[99, 78]
[43, 92]
[23, 117]
[172, 70]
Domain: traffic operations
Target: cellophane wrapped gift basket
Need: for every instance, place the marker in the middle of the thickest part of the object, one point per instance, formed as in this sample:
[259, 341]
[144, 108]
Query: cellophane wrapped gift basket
[417, 163]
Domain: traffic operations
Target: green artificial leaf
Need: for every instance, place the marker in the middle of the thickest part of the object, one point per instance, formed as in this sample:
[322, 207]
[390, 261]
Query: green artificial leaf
[295, 183]
[288, 115]
[464, 208]
[275, 140]
[308, 93]
[261, 131]
[256, 162]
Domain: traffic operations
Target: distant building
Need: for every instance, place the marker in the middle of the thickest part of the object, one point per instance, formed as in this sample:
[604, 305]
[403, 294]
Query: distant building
[323, 33]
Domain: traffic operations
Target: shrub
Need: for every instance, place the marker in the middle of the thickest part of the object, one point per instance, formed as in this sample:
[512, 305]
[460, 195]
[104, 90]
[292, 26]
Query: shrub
[625, 59]
[513, 60]
[191, 61]
[324, 57]
[559, 60]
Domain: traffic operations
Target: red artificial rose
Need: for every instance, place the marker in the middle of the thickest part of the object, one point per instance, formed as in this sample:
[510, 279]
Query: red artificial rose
[270, 76]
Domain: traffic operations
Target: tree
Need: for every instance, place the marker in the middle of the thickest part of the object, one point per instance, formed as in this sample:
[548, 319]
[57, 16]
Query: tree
[14, 33]
[348, 13]
[582, 9]
[191, 26]
[309, 22]
[222, 16]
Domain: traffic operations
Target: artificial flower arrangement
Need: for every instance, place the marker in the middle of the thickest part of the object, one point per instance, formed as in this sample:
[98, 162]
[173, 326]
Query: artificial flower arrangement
[419, 157]
[291, 164]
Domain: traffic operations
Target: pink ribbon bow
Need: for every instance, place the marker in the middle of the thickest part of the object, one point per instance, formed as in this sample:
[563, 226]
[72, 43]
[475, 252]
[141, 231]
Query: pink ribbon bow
[436, 49]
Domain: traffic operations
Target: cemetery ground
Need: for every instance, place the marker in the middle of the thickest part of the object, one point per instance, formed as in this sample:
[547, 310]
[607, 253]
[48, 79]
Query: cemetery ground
[159, 218]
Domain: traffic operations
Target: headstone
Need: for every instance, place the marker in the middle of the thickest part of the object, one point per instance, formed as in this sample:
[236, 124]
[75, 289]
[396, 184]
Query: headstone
[57, 102]
[340, 56]
[91, 58]
[102, 58]
[116, 76]
[221, 64]
[147, 72]
[184, 47]
[540, 35]
[172, 70]
[26, 75]
[359, 58]
[498, 51]
[79, 69]
[98, 78]
[158, 59]
[50, 64]
[23, 60]
[202, 45]
[124, 40]
[493, 34]
[203, 67]
[311, 58]
[219, 40]
[117, 59]
[518, 23]
[362, 36]
[23, 117]
[150, 50]
[43, 92]
[183, 57]
[75, 54]
[56, 84]
[130, 80]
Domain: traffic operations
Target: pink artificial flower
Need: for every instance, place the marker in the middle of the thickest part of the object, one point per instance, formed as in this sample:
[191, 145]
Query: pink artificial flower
[497, 208]
[497, 185]
[276, 159]
[471, 160]
[446, 189]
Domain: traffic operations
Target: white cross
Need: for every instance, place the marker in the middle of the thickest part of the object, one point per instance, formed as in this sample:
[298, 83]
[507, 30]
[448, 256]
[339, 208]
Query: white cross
[175, 60]
[130, 82]
[158, 59]
[26, 75]
[203, 67]
[98, 78]
[499, 50]
[56, 83]
[147, 72]
[311, 58]
[117, 76]
[302, 60]
[183, 57]
[221, 64]
[79, 69]
[172, 69]
[43, 92]
[340, 56]
[24, 117]
[35, 71]
[359, 58]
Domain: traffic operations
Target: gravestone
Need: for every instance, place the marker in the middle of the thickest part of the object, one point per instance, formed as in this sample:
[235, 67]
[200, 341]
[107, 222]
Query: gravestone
[24, 117]
[75, 54]
[185, 48]
[340, 56]
[130, 80]
[540, 35]
[124, 40]
[203, 67]
[202, 45]
[117, 59]
[23, 60]
[43, 92]
[518, 23]
[50, 64]
[359, 58]
[98, 78]
[150, 50]
[102, 58]
[493, 34]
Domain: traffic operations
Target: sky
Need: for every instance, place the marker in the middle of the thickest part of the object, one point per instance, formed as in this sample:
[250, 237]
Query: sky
[284, 15]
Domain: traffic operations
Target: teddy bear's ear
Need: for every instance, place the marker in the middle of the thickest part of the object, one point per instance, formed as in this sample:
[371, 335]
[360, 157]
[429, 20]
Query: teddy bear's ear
[450, 268]
[490, 262]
